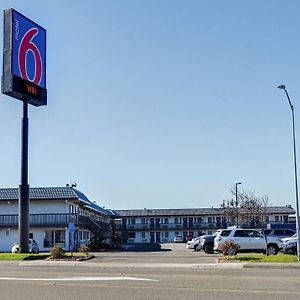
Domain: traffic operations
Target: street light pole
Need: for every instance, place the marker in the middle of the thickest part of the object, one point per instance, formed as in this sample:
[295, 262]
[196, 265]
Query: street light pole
[237, 203]
[282, 87]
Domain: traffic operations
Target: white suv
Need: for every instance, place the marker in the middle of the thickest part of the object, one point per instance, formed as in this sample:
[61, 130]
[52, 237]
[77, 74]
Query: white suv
[249, 240]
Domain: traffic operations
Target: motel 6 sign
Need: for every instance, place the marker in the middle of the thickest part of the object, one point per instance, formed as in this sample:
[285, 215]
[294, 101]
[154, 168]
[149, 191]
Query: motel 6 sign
[24, 59]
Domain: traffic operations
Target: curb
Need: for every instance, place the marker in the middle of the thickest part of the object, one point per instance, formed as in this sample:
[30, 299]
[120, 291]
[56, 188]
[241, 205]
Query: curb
[210, 266]
[286, 266]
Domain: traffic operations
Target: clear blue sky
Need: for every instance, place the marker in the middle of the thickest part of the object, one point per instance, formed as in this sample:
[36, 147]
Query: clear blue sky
[161, 104]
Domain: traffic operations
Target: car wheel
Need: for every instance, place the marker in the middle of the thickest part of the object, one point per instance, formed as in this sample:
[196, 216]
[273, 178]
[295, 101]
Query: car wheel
[209, 249]
[197, 247]
[231, 252]
[272, 250]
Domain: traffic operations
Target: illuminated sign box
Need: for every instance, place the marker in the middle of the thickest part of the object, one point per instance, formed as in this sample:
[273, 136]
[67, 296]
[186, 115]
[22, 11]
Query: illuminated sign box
[24, 59]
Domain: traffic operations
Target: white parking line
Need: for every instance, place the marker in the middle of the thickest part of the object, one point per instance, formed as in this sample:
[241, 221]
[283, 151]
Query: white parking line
[78, 279]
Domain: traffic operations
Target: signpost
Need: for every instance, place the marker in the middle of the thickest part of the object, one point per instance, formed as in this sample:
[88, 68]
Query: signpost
[71, 237]
[24, 78]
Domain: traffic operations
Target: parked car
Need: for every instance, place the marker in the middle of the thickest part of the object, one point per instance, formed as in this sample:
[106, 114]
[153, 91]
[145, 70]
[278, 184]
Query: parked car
[207, 243]
[286, 242]
[248, 240]
[188, 238]
[290, 248]
[33, 247]
[193, 243]
[179, 239]
[280, 233]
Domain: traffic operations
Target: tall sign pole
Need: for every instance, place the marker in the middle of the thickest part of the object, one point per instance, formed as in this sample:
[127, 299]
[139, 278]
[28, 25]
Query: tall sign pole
[24, 78]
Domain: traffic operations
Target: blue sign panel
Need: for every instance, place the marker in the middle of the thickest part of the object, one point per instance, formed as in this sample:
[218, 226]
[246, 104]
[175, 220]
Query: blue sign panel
[24, 59]
[71, 227]
[28, 50]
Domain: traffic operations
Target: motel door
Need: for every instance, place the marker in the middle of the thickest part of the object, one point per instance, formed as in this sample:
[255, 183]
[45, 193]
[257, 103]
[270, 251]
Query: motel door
[184, 222]
[152, 223]
[190, 222]
[157, 237]
[157, 223]
[151, 237]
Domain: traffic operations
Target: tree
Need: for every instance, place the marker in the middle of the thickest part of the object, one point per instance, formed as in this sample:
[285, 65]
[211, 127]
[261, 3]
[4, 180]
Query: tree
[249, 209]
[246, 209]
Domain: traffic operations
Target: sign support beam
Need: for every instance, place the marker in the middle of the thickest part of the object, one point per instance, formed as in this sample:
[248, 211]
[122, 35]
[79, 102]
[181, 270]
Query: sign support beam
[24, 186]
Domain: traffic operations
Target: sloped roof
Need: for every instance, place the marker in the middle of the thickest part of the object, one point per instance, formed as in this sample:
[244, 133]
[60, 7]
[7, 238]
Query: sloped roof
[191, 211]
[52, 193]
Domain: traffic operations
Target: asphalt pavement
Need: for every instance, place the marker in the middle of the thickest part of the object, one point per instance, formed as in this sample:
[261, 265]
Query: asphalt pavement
[177, 274]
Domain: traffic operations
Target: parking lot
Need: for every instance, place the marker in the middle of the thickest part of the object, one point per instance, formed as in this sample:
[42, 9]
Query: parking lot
[173, 253]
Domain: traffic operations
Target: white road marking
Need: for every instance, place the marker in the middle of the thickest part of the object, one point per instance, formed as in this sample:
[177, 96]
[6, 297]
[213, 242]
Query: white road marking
[78, 279]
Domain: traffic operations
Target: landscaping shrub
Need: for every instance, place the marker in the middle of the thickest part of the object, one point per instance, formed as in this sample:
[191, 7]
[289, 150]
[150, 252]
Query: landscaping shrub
[229, 248]
[57, 252]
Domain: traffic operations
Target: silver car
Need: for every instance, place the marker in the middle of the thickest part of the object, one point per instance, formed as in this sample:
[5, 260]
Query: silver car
[33, 247]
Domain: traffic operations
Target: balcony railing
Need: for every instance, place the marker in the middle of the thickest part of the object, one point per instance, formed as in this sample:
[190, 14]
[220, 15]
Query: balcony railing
[175, 226]
[40, 220]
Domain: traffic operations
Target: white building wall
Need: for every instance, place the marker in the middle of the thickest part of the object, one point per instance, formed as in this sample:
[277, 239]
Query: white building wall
[8, 207]
[7, 237]
[36, 207]
[49, 207]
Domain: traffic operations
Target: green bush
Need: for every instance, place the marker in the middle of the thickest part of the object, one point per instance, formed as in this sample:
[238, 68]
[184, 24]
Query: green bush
[229, 248]
[57, 252]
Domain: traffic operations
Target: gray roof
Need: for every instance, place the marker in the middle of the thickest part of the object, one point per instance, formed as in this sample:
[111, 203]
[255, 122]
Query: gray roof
[52, 193]
[191, 211]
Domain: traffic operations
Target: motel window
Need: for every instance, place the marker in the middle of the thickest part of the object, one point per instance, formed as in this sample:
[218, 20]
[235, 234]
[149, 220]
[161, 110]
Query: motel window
[71, 208]
[131, 221]
[54, 237]
[166, 234]
[198, 220]
[276, 218]
[143, 235]
[131, 235]
[177, 220]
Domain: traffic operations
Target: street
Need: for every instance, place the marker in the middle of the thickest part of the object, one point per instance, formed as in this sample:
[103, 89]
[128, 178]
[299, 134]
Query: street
[142, 275]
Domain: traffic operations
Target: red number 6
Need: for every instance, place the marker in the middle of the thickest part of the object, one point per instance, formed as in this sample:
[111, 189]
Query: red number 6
[25, 46]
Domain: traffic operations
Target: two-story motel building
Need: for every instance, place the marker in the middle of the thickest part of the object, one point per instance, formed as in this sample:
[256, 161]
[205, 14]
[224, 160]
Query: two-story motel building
[65, 216]
[162, 225]
[58, 215]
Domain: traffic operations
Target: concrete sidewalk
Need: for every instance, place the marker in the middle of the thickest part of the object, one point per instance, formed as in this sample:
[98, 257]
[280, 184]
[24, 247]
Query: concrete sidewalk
[227, 265]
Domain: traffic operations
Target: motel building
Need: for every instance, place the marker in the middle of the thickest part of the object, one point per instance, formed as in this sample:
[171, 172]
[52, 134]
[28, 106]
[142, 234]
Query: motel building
[58, 216]
[162, 225]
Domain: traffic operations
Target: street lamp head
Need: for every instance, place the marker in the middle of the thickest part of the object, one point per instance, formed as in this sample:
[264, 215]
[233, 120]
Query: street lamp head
[238, 183]
[282, 87]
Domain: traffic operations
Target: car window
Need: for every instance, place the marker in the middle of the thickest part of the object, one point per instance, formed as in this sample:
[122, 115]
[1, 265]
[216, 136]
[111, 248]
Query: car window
[279, 232]
[289, 232]
[239, 233]
[225, 233]
[252, 233]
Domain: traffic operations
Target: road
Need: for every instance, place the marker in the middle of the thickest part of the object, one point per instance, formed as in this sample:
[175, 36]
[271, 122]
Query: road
[160, 275]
